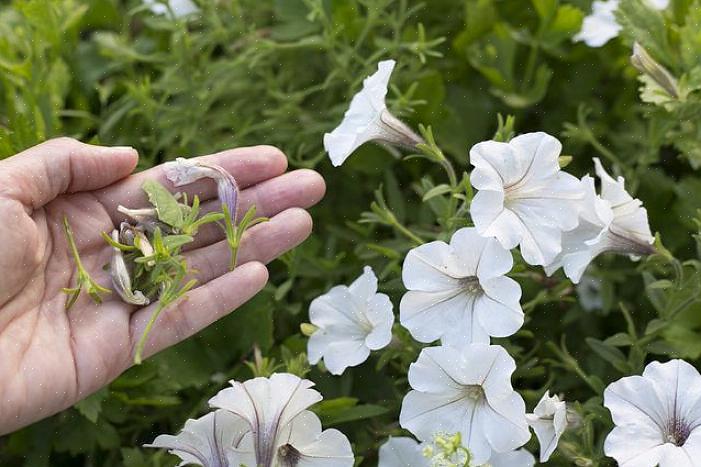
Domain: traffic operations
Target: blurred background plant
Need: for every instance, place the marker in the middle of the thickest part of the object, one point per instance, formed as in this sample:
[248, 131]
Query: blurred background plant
[281, 72]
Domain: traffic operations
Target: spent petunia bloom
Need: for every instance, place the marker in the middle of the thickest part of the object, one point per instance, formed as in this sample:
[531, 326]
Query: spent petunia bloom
[524, 198]
[466, 390]
[458, 292]
[549, 422]
[183, 171]
[121, 277]
[601, 25]
[350, 322]
[281, 431]
[402, 452]
[367, 119]
[209, 441]
[657, 417]
[611, 222]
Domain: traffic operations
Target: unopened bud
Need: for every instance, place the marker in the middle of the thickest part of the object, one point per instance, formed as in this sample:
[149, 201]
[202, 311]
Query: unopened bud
[644, 62]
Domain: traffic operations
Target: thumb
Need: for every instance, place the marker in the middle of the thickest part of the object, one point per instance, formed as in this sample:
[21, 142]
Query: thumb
[39, 174]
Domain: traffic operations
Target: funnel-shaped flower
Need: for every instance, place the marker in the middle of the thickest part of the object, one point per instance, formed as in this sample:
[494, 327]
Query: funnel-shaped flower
[351, 322]
[282, 432]
[524, 198]
[613, 222]
[549, 421]
[657, 417]
[209, 441]
[466, 390]
[368, 119]
[183, 171]
[121, 278]
[458, 292]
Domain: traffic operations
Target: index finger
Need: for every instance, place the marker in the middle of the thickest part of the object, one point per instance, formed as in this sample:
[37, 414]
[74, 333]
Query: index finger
[249, 166]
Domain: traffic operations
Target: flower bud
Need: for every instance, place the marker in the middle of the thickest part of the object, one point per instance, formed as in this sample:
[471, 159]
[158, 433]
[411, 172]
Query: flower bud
[121, 280]
[644, 62]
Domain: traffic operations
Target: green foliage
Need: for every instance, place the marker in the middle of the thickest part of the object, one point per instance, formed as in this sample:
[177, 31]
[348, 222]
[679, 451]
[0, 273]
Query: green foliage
[282, 72]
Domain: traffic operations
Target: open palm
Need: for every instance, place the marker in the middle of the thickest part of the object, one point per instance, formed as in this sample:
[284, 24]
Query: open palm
[49, 357]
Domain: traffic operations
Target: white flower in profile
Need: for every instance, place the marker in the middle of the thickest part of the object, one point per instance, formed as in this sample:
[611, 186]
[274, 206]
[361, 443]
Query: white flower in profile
[210, 440]
[368, 119]
[657, 417]
[549, 421]
[351, 321]
[178, 8]
[613, 222]
[466, 390]
[458, 292]
[524, 198]
[281, 431]
[517, 458]
[601, 25]
[402, 452]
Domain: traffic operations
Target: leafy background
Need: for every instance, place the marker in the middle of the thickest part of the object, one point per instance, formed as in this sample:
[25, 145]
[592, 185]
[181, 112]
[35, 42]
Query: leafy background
[282, 72]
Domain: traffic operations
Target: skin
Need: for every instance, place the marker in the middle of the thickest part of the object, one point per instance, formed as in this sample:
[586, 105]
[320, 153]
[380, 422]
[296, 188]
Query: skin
[52, 358]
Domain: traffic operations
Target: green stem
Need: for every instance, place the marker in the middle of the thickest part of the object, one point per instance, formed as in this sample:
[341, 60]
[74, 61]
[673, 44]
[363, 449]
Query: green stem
[407, 233]
[147, 330]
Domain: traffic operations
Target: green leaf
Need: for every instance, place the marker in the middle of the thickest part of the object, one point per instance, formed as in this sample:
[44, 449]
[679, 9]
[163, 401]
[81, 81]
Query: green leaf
[91, 406]
[345, 409]
[646, 25]
[437, 191]
[610, 354]
[166, 205]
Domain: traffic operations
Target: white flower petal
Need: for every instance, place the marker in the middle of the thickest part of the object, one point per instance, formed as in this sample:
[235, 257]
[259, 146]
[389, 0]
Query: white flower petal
[179, 8]
[432, 267]
[402, 452]
[518, 458]
[303, 444]
[361, 121]
[524, 198]
[549, 421]
[498, 309]
[431, 315]
[600, 26]
[206, 440]
[183, 171]
[506, 427]
[351, 322]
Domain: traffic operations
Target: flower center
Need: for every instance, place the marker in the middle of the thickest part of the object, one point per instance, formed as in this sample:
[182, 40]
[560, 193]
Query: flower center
[677, 431]
[474, 392]
[471, 285]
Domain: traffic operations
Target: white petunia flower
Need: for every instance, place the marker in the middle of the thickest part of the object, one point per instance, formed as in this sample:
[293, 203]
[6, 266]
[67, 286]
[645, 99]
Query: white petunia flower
[368, 119]
[402, 452]
[549, 421]
[281, 431]
[458, 292]
[179, 8]
[209, 441]
[183, 171]
[517, 458]
[613, 222]
[524, 198]
[466, 390]
[657, 417]
[351, 322]
[601, 25]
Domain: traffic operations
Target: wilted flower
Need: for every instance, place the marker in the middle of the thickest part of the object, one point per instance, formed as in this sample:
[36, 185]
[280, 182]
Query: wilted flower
[549, 421]
[183, 171]
[601, 25]
[210, 441]
[402, 452]
[368, 119]
[642, 60]
[466, 390]
[458, 292]
[657, 417]
[281, 431]
[613, 222]
[121, 278]
[178, 8]
[351, 321]
[524, 198]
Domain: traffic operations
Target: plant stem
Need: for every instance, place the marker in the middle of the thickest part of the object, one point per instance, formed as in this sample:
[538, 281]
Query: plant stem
[147, 330]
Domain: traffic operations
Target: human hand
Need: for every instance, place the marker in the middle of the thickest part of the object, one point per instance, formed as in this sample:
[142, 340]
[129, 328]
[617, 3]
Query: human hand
[51, 358]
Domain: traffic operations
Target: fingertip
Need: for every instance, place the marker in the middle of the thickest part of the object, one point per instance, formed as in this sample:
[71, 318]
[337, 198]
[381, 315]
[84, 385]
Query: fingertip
[257, 270]
[315, 184]
[277, 158]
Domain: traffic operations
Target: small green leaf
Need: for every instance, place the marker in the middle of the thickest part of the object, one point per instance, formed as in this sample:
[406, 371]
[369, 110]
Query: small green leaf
[437, 191]
[167, 207]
